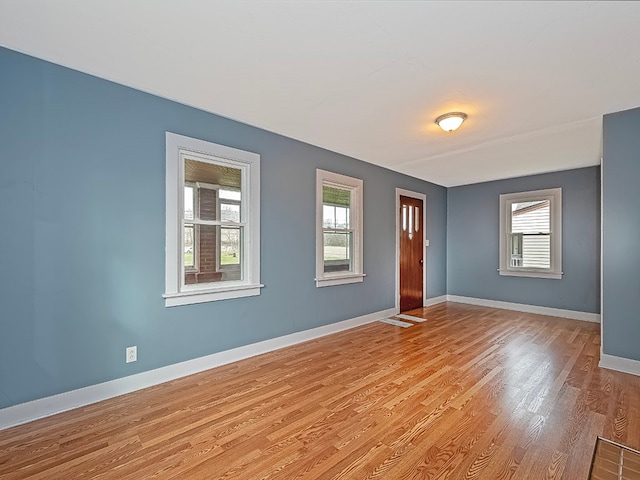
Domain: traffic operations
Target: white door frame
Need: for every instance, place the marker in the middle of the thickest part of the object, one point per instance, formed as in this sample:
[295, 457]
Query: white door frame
[423, 197]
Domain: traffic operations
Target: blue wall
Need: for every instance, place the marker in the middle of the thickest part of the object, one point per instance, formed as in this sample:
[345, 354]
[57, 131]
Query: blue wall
[473, 242]
[621, 242]
[82, 197]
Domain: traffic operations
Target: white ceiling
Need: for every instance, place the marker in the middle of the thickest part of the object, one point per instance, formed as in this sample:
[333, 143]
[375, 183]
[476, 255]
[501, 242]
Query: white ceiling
[367, 78]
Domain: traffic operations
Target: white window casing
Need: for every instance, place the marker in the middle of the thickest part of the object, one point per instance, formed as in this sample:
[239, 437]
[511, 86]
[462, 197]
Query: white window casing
[354, 187]
[178, 147]
[537, 250]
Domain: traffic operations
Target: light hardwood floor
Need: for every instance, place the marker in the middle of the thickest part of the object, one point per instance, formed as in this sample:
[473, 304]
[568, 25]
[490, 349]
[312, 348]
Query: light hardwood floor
[472, 393]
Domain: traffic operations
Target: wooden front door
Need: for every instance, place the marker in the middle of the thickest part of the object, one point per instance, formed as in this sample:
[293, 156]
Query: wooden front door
[411, 252]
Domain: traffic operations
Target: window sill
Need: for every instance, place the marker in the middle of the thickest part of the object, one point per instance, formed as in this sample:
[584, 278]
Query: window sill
[210, 295]
[531, 274]
[330, 281]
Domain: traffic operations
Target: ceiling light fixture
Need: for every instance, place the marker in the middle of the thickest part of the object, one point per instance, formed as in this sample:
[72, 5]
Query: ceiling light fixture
[451, 121]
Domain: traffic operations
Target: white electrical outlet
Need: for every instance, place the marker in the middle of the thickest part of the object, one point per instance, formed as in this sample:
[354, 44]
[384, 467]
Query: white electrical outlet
[132, 354]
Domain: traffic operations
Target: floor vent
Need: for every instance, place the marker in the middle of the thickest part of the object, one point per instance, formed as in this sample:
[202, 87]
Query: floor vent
[397, 323]
[612, 461]
[410, 317]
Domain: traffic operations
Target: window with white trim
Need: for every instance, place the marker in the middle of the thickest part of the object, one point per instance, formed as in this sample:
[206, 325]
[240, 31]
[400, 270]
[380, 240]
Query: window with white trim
[531, 234]
[212, 222]
[338, 229]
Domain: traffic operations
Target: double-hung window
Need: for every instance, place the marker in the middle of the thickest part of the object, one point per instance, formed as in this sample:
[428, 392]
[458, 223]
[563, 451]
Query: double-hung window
[338, 229]
[531, 234]
[212, 222]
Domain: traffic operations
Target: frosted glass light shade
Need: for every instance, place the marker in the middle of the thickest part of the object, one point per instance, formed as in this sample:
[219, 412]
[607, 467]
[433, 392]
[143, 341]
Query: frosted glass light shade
[451, 121]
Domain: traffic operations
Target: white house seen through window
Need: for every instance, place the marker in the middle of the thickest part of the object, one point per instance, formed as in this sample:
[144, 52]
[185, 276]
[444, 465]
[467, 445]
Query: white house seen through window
[531, 233]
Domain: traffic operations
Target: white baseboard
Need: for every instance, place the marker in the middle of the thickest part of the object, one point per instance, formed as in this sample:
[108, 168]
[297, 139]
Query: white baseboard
[44, 407]
[521, 307]
[620, 364]
[434, 300]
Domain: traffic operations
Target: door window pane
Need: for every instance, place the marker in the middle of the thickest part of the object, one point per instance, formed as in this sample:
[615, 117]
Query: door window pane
[410, 221]
[404, 218]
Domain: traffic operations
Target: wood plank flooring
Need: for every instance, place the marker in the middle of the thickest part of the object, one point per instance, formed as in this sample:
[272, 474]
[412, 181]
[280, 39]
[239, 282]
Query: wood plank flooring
[472, 393]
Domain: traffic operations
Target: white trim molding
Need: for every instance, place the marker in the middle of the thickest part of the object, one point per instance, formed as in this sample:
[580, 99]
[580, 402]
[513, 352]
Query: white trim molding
[45, 407]
[521, 307]
[601, 254]
[620, 364]
[434, 300]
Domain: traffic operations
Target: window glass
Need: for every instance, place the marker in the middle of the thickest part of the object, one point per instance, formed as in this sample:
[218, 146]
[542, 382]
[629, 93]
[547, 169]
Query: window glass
[229, 212]
[404, 218]
[337, 252]
[188, 203]
[231, 246]
[189, 229]
[338, 240]
[531, 234]
[213, 244]
[189, 244]
[230, 195]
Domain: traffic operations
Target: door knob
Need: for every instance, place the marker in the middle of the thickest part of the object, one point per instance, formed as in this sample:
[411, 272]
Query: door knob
[421, 262]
